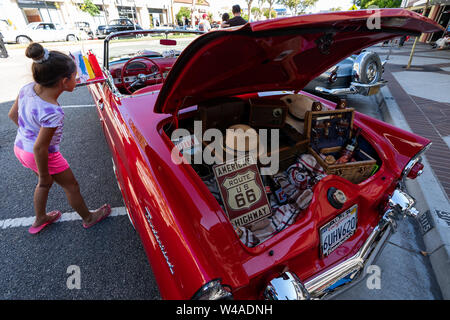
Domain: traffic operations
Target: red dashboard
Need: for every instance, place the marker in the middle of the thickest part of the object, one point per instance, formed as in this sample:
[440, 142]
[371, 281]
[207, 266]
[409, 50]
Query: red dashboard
[137, 67]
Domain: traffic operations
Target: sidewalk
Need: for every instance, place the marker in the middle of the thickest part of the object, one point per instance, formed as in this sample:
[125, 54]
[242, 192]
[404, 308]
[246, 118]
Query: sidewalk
[418, 100]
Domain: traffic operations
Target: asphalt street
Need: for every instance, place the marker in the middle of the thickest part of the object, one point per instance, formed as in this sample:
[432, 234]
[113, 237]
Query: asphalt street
[110, 257]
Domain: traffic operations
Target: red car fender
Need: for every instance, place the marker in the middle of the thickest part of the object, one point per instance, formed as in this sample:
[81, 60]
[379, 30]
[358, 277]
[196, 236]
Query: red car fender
[395, 146]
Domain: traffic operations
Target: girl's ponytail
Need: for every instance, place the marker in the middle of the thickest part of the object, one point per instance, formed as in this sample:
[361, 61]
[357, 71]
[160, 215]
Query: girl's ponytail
[49, 66]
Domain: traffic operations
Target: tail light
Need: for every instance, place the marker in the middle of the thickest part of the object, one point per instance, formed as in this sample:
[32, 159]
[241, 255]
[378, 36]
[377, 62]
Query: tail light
[416, 171]
[414, 168]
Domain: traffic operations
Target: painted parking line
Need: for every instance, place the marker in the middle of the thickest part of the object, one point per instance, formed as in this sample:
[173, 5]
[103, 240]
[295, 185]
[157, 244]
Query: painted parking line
[68, 216]
[79, 106]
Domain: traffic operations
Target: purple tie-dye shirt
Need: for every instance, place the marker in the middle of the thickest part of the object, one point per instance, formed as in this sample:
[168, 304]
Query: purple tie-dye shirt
[35, 113]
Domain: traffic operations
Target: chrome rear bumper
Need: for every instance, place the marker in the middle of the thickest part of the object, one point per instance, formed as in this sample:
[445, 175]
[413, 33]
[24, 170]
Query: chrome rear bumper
[354, 88]
[325, 285]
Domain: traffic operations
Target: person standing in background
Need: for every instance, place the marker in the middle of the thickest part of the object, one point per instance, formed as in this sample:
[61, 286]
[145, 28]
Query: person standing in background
[3, 51]
[225, 19]
[237, 20]
[204, 24]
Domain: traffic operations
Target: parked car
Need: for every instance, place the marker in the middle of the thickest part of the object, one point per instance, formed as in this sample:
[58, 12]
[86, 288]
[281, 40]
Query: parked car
[196, 248]
[43, 32]
[168, 26]
[116, 26]
[84, 26]
[5, 25]
[358, 74]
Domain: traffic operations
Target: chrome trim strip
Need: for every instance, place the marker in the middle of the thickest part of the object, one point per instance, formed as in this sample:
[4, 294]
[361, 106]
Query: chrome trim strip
[149, 218]
[286, 287]
[135, 32]
[356, 264]
[364, 85]
[355, 87]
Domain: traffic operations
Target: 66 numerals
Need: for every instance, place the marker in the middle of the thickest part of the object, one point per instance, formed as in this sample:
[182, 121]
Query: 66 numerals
[243, 198]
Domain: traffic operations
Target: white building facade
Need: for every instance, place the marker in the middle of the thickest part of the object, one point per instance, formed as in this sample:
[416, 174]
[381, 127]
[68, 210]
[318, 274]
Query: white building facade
[147, 13]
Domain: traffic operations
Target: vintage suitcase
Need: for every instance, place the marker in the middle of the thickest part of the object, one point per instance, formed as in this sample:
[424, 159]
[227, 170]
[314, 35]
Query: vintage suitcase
[327, 132]
[222, 113]
[267, 112]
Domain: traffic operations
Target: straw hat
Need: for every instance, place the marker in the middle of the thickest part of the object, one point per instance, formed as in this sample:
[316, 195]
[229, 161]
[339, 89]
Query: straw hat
[298, 106]
[241, 139]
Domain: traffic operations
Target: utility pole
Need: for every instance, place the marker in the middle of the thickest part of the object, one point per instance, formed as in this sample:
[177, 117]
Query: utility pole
[192, 14]
[171, 13]
[106, 12]
[48, 11]
[132, 14]
[417, 39]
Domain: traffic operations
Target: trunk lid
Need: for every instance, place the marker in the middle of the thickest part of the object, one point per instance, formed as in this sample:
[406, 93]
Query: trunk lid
[285, 53]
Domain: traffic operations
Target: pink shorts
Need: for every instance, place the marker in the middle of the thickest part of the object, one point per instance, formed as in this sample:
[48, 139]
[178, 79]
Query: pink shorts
[56, 162]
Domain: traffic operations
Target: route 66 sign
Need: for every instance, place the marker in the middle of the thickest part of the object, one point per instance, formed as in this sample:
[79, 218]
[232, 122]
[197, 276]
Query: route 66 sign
[242, 191]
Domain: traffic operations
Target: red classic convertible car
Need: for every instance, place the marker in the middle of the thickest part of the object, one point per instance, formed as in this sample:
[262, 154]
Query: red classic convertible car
[231, 224]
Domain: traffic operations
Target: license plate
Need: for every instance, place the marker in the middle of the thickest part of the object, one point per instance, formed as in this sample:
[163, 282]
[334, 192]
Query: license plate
[374, 90]
[338, 230]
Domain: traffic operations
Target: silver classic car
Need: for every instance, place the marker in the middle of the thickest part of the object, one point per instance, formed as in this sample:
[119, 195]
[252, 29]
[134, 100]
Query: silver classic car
[358, 74]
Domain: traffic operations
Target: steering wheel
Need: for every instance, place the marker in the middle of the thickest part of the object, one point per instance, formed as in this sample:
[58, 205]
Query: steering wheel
[141, 78]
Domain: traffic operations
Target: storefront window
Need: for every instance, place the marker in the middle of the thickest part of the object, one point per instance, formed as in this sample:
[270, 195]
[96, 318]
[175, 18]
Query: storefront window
[127, 12]
[37, 11]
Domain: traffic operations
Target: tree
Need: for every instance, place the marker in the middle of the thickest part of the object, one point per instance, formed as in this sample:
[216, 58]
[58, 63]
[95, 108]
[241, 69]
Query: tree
[335, 9]
[297, 6]
[365, 4]
[257, 13]
[291, 4]
[90, 8]
[183, 13]
[261, 4]
[269, 14]
[271, 3]
[305, 4]
[260, 12]
[249, 6]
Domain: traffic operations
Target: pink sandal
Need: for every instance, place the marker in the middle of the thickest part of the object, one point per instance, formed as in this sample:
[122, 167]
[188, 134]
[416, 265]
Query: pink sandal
[108, 212]
[56, 213]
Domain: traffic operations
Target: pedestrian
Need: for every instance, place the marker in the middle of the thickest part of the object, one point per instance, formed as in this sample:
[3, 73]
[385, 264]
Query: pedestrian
[237, 20]
[225, 18]
[3, 51]
[402, 41]
[204, 24]
[40, 121]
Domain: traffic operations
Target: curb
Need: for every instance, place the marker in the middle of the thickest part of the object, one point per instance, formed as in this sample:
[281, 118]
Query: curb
[431, 201]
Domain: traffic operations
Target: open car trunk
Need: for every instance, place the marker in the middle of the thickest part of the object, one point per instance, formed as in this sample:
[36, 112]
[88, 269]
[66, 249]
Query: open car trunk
[298, 138]
[309, 139]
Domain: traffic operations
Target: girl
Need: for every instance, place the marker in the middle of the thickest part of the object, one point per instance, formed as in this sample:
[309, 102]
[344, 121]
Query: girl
[40, 120]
